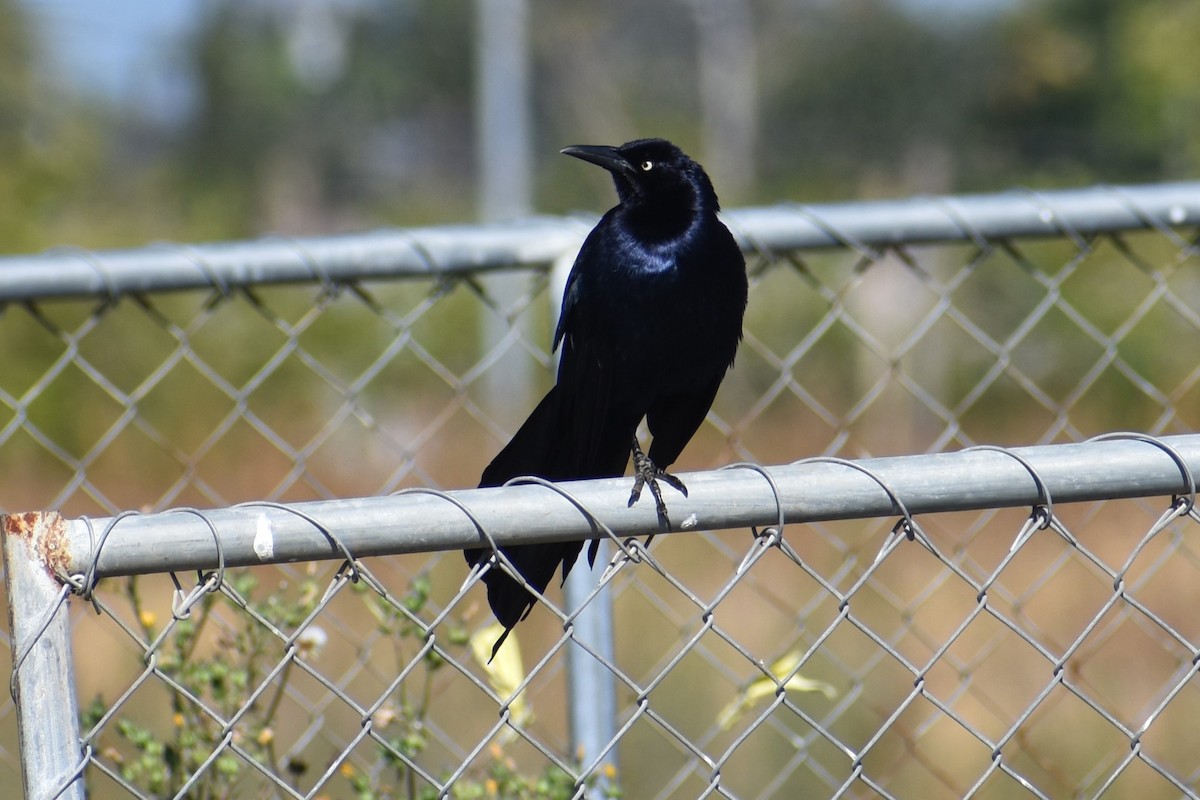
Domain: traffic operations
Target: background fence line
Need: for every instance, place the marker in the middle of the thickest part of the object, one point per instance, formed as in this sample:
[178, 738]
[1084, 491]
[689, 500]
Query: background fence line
[961, 650]
[538, 242]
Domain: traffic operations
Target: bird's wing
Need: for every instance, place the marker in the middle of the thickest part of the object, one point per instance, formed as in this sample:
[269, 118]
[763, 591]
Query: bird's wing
[595, 435]
[675, 418]
[570, 300]
[571, 294]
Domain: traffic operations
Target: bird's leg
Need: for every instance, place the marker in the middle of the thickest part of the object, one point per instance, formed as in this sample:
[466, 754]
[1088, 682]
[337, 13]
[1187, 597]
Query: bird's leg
[647, 473]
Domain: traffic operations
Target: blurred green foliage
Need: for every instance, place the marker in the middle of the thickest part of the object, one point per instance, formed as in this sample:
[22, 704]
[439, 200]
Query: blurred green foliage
[364, 116]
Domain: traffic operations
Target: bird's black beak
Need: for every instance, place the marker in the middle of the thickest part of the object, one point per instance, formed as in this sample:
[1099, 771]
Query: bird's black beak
[606, 157]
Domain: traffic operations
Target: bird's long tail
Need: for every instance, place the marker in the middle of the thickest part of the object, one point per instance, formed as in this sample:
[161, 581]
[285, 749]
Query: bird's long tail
[536, 449]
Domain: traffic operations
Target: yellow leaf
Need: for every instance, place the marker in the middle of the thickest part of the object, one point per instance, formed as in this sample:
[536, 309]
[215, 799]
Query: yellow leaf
[505, 672]
[766, 687]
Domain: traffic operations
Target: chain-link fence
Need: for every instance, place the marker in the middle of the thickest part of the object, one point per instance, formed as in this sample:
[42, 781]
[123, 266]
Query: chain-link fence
[857, 650]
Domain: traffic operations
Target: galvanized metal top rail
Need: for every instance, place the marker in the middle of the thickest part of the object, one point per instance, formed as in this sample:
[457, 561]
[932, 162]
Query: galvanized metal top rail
[807, 491]
[538, 242]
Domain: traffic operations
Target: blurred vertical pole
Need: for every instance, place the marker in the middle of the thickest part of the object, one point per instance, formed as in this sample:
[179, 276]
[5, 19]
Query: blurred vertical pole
[727, 72]
[503, 151]
[502, 129]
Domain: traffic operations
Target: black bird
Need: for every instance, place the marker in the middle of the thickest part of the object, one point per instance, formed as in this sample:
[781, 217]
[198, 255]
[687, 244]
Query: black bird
[650, 322]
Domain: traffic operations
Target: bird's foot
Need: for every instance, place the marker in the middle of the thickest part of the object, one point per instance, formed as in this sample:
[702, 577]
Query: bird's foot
[647, 473]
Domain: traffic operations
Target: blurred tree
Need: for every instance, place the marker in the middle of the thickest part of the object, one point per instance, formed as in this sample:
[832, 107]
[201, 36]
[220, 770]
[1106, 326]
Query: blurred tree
[865, 98]
[15, 93]
[1097, 88]
[39, 156]
[1156, 43]
[311, 113]
[15, 73]
[64, 168]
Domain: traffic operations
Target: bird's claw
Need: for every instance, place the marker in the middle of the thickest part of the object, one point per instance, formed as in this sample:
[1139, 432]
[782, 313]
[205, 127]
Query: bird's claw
[647, 473]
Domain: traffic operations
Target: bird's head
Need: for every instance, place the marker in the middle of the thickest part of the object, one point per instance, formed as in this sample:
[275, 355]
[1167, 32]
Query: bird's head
[652, 174]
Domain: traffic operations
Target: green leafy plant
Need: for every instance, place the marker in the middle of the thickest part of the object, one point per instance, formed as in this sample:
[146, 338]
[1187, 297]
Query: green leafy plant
[227, 676]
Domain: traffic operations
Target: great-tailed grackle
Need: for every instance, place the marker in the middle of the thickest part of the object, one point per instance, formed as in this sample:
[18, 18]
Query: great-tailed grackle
[651, 319]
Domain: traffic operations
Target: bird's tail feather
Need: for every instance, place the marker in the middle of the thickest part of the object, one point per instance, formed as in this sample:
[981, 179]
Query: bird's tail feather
[510, 599]
[558, 443]
[529, 452]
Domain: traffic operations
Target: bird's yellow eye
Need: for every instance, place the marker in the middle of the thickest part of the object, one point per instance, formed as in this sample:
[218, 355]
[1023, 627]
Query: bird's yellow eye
[647, 166]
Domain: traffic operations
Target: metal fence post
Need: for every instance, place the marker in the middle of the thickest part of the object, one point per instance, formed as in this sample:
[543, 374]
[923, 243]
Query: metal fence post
[592, 700]
[43, 677]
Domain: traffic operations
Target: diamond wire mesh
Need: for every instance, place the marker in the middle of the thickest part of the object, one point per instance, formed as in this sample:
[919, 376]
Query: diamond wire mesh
[961, 667]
